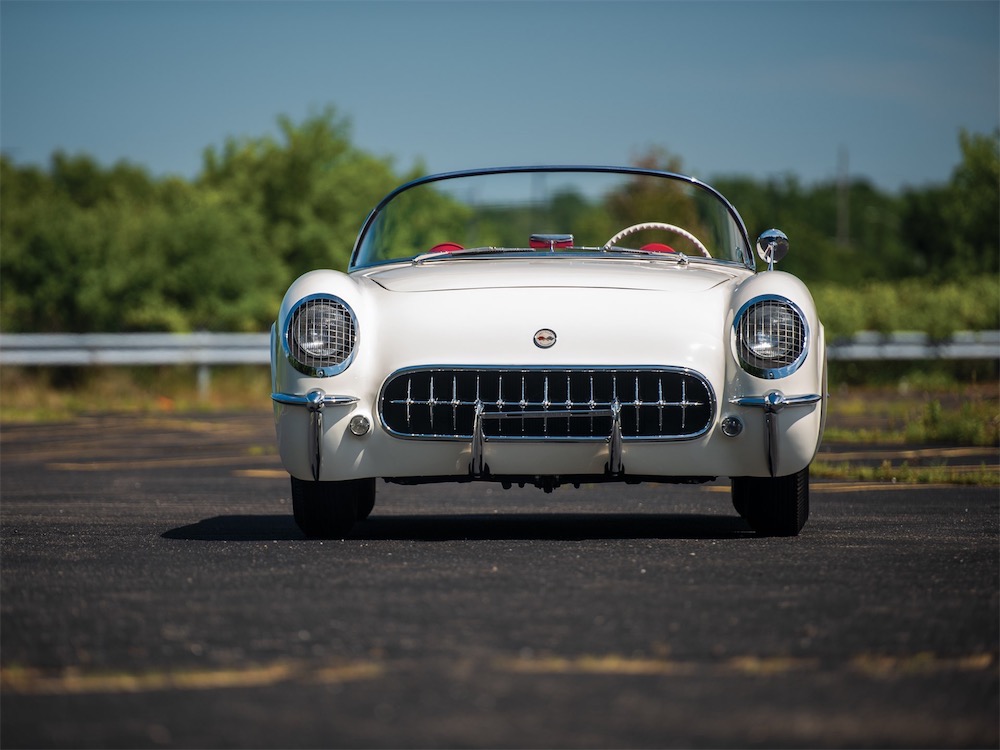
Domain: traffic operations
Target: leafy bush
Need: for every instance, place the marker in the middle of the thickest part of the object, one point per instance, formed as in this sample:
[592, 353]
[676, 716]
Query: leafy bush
[89, 249]
[909, 305]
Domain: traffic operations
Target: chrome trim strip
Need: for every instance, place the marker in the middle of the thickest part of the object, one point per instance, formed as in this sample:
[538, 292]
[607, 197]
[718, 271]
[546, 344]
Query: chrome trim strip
[775, 401]
[292, 399]
[549, 414]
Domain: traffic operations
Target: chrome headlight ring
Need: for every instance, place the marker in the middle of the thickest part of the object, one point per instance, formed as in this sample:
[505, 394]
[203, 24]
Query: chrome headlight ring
[770, 337]
[320, 335]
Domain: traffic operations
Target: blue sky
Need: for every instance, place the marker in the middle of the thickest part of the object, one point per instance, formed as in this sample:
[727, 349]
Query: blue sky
[756, 88]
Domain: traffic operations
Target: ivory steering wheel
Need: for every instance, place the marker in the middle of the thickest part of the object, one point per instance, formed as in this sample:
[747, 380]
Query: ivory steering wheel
[658, 225]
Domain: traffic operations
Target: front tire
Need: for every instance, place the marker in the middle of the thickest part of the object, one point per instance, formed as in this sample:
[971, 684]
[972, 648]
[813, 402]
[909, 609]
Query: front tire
[777, 506]
[328, 510]
[366, 499]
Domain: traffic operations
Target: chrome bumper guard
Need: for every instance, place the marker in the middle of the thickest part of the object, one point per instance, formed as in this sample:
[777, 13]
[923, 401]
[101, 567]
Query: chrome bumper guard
[315, 401]
[479, 469]
[773, 402]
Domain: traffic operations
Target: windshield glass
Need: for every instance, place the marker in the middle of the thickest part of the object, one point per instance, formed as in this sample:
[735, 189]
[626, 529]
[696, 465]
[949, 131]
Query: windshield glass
[559, 210]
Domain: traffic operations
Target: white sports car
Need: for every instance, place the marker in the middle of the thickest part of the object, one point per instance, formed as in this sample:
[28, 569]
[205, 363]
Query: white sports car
[550, 326]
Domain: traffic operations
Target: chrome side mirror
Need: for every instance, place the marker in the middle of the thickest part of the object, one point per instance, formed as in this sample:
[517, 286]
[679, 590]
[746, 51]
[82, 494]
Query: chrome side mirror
[772, 246]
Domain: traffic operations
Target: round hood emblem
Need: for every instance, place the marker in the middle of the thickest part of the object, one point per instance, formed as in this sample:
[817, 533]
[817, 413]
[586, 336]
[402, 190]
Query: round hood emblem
[545, 338]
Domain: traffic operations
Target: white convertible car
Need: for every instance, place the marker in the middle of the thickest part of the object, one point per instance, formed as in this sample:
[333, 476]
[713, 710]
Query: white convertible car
[550, 326]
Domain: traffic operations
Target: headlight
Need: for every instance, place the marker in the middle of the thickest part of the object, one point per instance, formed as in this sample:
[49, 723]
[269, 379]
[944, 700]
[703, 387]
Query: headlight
[320, 335]
[771, 337]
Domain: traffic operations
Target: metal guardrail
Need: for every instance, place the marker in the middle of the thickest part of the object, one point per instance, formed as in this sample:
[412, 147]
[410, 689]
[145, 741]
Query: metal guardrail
[58, 349]
[207, 349]
[914, 345]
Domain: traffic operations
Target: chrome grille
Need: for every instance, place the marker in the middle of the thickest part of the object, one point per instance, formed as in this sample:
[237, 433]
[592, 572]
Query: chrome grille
[547, 404]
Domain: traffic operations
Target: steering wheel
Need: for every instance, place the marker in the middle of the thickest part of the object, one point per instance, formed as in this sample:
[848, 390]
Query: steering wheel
[658, 225]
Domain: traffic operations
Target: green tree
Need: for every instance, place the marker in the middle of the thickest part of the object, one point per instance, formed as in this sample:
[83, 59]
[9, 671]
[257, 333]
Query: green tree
[46, 238]
[974, 209]
[954, 230]
[88, 248]
[312, 188]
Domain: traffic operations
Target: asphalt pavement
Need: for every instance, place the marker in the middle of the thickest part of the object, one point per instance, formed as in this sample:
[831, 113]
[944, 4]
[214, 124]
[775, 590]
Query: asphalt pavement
[155, 592]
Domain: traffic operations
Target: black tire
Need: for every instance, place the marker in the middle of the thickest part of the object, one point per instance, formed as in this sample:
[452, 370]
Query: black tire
[366, 498]
[776, 506]
[328, 510]
[740, 503]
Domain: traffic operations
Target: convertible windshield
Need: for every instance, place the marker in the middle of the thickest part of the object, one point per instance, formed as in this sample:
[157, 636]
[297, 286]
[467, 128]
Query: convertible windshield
[551, 210]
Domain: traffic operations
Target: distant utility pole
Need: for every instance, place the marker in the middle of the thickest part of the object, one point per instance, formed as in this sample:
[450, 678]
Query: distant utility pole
[843, 199]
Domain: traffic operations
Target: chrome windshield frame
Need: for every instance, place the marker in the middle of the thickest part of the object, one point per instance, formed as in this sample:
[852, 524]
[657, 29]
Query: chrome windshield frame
[746, 246]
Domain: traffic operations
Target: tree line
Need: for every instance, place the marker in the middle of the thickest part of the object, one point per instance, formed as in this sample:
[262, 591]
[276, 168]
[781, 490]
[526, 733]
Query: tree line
[91, 248]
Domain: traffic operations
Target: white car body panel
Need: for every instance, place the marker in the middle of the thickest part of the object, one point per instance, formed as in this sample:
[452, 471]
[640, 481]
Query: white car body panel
[447, 316]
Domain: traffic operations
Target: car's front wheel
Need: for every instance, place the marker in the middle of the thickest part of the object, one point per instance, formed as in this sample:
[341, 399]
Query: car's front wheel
[366, 500]
[777, 506]
[328, 510]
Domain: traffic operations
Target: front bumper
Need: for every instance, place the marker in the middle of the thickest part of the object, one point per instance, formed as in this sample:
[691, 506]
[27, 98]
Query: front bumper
[335, 437]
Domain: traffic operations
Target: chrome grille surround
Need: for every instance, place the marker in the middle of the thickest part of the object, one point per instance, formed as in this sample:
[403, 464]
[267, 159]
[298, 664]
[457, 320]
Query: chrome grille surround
[771, 318]
[329, 320]
[543, 404]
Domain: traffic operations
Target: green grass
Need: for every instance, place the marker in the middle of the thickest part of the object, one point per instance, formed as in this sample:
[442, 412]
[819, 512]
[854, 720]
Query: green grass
[980, 476]
[40, 395]
[958, 414]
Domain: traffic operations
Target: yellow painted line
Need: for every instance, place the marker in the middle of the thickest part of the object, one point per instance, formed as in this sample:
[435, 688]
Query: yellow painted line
[594, 665]
[835, 487]
[877, 665]
[768, 665]
[872, 665]
[78, 682]
[619, 665]
[156, 463]
[75, 681]
[261, 473]
[204, 426]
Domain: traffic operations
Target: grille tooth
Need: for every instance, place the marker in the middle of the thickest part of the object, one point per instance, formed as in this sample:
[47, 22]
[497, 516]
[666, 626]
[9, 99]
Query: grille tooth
[560, 404]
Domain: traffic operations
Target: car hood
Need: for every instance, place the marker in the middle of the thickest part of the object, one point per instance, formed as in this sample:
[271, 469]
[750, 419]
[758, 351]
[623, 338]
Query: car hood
[508, 273]
[488, 312]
